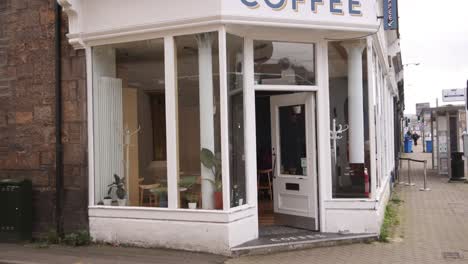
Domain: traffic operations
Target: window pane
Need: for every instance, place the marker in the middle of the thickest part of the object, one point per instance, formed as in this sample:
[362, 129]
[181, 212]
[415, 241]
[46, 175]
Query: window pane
[235, 68]
[200, 184]
[348, 177]
[130, 124]
[283, 63]
[293, 140]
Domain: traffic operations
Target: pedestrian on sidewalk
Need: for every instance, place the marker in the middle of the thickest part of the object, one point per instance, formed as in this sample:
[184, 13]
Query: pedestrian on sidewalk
[415, 138]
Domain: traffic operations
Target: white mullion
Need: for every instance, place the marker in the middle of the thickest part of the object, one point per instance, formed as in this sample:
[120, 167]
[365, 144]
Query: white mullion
[371, 117]
[224, 119]
[325, 188]
[249, 119]
[89, 80]
[171, 122]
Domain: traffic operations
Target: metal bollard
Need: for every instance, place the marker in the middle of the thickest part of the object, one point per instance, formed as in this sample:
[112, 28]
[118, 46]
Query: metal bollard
[409, 174]
[425, 189]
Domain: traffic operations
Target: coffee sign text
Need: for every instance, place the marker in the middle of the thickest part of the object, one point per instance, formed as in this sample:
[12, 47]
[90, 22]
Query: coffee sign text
[336, 6]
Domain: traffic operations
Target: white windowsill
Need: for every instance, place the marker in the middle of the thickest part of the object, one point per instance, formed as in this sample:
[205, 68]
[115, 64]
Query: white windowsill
[167, 214]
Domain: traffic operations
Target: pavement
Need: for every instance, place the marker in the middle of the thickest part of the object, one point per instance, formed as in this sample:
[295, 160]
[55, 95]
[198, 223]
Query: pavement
[33, 254]
[433, 229]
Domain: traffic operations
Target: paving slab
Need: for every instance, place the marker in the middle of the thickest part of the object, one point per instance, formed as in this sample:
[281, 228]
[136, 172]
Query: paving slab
[433, 229]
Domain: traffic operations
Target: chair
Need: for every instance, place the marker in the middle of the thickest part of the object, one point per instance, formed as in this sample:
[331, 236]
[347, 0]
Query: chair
[145, 192]
[268, 173]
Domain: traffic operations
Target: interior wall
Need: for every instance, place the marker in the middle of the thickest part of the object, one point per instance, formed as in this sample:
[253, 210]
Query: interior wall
[189, 112]
[263, 133]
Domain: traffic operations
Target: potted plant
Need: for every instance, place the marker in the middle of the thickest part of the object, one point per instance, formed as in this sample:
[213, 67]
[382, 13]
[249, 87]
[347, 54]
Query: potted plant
[107, 201]
[192, 199]
[213, 162]
[120, 192]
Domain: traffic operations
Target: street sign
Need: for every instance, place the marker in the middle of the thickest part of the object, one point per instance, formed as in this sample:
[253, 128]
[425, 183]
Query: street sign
[390, 14]
[421, 106]
[453, 95]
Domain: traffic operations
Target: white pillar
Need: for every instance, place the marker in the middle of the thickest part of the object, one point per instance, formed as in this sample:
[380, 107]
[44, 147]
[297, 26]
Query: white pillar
[205, 70]
[355, 100]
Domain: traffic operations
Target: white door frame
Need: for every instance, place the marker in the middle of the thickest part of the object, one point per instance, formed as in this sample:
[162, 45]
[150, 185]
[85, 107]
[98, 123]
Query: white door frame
[323, 121]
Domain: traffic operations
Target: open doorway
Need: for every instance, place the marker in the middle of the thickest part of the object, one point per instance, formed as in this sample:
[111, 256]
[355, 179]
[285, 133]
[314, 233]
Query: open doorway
[286, 161]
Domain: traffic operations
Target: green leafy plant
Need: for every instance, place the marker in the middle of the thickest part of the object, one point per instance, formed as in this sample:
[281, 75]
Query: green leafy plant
[391, 219]
[118, 184]
[192, 197]
[52, 237]
[76, 239]
[236, 195]
[212, 162]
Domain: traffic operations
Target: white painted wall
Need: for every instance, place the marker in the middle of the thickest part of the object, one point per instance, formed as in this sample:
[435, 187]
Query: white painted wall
[204, 231]
[357, 216]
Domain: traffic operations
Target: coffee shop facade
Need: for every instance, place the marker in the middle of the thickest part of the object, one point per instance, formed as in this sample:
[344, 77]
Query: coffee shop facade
[195, 106]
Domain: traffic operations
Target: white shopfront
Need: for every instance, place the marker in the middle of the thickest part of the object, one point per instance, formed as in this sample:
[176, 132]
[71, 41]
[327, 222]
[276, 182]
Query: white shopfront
[217, 116]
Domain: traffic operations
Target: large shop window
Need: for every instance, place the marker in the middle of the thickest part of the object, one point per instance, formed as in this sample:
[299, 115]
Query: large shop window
[199, 135]
[129, 108]
[235, 69]
[349, 114]
[130, 124]
[283, 63]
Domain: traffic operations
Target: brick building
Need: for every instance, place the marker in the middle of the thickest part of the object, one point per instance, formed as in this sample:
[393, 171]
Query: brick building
[28, 102]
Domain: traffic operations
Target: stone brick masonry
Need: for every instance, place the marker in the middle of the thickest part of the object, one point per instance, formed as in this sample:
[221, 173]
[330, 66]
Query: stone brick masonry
[27, 110]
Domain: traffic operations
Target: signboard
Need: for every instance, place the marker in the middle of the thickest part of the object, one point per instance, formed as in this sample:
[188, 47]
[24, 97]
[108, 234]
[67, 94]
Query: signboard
[315, 6]
[453, 95]
[360, 13]
[421, 106]
[466, 99]
[390, 14]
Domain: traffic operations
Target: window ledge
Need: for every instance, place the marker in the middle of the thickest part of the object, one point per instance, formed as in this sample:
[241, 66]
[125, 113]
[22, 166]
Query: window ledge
[351, 204]
[166, 214]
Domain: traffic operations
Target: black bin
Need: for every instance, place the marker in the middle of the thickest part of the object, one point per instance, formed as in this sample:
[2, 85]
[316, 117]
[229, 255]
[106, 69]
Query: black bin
[15, 210]
[458, 165]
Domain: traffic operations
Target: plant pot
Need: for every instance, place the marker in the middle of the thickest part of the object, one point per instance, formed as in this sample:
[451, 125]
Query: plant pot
[122, 202]
[218, 197]
[241, 201]
[107, 202]
[192, 205]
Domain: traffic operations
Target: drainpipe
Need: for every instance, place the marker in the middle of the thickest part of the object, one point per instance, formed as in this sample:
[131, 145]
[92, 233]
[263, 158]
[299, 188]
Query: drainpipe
[58, 123]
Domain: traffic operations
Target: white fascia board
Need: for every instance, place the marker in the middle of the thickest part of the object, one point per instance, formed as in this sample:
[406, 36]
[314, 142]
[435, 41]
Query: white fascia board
[93, 20]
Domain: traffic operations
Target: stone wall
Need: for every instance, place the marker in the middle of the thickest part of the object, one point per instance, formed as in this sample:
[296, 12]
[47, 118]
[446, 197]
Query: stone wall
[27, 111]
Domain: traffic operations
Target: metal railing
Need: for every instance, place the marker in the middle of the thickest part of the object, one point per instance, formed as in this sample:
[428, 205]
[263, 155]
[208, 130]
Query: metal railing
[409, 183]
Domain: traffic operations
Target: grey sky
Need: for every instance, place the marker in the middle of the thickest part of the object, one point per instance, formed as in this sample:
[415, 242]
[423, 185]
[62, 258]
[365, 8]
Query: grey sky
[435, 34]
